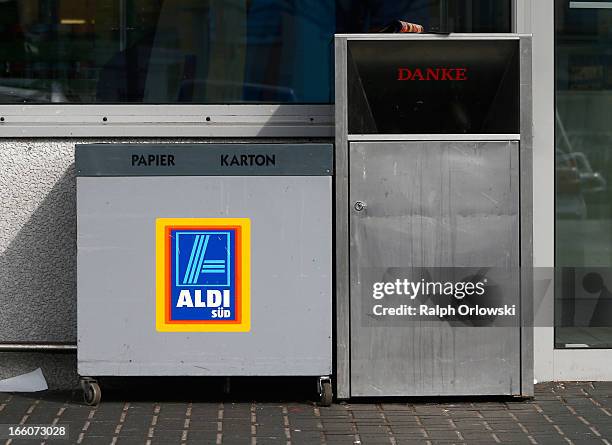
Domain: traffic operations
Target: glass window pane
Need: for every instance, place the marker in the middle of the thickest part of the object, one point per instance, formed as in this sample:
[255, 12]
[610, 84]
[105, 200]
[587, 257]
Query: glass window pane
[200, 51]
[583, 312]
[483, 99]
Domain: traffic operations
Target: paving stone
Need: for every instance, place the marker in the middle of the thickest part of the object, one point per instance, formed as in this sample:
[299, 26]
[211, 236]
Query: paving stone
[307, 441]
[369, 429]
[74, 428]
[513, 437]
[416, 433]
[447, 442]
[397, 407]
[126, 432]
[411, 441]
[489, 406]
[374, 440]
[503, 426]
[496, 414]
[305, 437]
[429, 410]
[338, 440]
[271, 431]
[586, 441]
[41, 417]
[304, 425]
[359, 407]
[541, 429]
[470, 424]
[205, 410]
[129, 441]
[235, 437]
[203, 425]
[27, 442]
[137, 421]
[271, 440]
[467, 414]
[549, 440]
[442, 422]
[520, 406]
[377, 415]
[347, 430]
[170, 423]
[442, 434]
[101, 428]
[96, 441]
[196, 420]
[335, 414]
[404, 418]
[477, 435]
[581, 435]
[107, 417]
[332, 422]
[204, 436]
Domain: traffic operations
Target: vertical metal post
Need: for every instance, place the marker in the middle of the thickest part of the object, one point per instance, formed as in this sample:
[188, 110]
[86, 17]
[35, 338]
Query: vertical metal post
[526, 225]
[444, 16]
[521, 16]
[343, 307]
[469, 16]
[122, 25]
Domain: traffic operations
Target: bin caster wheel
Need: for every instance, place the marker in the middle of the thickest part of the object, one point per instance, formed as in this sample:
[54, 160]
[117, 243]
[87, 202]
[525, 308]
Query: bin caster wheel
[91, 392]
[325, 392]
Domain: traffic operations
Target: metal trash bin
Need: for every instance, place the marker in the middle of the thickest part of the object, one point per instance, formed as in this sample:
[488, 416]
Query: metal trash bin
[433, 184]
[204, 260]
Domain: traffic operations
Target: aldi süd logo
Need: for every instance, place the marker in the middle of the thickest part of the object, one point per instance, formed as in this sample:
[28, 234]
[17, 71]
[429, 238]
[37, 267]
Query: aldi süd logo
[203, 274]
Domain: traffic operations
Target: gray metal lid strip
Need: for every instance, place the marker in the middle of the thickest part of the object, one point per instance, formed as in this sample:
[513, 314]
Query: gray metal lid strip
[204, 160]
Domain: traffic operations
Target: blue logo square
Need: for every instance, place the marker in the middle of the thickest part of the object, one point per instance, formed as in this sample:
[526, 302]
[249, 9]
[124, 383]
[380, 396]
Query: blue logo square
[203, 275]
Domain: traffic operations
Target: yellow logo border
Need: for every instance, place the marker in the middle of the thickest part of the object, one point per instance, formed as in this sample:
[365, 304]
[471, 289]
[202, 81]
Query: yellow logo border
[161, 274]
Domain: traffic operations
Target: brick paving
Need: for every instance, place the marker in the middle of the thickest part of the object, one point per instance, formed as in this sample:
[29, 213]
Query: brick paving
[561, 413]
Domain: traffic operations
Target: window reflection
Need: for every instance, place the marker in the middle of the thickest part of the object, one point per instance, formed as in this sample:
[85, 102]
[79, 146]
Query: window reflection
[200, 51]
[583, 177]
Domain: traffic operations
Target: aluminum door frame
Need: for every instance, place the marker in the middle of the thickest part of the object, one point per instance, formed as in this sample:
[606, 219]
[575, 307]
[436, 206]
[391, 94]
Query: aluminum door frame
[342, 207]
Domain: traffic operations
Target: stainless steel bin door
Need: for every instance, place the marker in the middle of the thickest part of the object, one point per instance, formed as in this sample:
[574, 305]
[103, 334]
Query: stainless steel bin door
[433, 205]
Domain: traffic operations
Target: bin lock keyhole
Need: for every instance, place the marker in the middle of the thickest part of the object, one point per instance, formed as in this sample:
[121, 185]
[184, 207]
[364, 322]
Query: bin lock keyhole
[360, 206]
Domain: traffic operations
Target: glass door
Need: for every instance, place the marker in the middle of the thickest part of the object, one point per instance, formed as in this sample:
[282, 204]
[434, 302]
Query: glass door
[583, 153]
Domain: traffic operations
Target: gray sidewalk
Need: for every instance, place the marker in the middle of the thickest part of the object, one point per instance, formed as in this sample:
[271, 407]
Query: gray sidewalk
[572, 413]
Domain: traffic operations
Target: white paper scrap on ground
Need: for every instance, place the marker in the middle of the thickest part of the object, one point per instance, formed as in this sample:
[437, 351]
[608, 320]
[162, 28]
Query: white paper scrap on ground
[31, 382]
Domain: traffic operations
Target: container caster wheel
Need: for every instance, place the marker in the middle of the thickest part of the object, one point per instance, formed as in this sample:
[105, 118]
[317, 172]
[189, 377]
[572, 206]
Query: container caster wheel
[92, 394]
[325, 391]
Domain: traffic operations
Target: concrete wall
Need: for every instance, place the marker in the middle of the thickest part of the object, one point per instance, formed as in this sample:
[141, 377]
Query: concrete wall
[38, 255]
[37, 241]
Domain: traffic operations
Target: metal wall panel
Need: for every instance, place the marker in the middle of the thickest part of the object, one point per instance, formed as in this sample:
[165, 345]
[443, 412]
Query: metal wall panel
[290, 277]
[434, 204]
